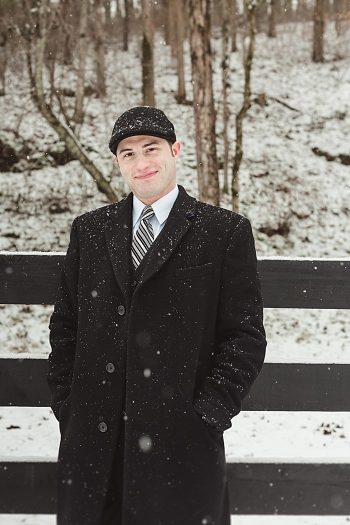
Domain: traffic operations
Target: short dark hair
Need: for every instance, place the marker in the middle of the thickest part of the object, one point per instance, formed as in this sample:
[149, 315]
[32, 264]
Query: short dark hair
[170, 144]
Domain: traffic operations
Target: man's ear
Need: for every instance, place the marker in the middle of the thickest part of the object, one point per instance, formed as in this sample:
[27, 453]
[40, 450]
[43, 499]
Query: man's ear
[176, 149]
[115, 160]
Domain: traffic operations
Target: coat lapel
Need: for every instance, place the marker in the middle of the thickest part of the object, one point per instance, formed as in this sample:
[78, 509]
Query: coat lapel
[176, 226]
[118, 233]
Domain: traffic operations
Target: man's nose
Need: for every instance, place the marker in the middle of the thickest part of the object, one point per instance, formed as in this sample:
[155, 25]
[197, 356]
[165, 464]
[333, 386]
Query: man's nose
[141, 162]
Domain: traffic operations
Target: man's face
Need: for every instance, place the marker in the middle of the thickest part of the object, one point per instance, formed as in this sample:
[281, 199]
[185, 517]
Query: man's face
[148, 166]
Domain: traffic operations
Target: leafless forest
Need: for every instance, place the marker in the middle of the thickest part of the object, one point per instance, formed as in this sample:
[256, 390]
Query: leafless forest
[64, 49]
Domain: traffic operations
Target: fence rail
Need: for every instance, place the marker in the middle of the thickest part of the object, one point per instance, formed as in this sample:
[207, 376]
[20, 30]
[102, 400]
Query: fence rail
[28, 487]
[32, 278]
[255, 488]
[314, 387]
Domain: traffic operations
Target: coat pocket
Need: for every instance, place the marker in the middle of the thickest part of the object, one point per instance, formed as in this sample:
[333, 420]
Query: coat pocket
[194, 271]
[211, 430]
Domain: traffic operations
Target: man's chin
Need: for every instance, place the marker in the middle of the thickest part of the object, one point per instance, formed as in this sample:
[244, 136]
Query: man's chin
[147, 193]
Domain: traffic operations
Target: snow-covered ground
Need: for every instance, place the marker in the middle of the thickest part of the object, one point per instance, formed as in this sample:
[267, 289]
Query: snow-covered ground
[284, 185]
[316, 437]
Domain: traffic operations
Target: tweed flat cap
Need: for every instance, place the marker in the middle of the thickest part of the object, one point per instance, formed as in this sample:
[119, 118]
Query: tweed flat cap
[141, 120]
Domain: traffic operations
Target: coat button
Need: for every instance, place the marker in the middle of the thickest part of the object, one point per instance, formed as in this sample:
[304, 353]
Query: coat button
[110, 368]
[102, 426]
[134, 283]
[121, 309]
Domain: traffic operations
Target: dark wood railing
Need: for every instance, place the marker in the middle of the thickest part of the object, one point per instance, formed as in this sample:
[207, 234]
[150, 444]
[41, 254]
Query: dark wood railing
[255, 487]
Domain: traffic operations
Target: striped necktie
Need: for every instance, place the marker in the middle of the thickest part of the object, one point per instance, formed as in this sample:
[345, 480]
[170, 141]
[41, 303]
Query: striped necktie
[143, 237]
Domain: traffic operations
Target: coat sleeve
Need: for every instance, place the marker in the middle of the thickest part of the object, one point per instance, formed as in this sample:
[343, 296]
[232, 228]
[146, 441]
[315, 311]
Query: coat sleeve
[240, 333]
[63, 326]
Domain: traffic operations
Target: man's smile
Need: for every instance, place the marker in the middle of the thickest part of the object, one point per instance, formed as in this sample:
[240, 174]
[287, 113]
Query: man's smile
[147, 175]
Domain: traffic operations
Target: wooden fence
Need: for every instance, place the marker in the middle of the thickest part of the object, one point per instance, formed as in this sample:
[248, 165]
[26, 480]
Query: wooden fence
[255, 487]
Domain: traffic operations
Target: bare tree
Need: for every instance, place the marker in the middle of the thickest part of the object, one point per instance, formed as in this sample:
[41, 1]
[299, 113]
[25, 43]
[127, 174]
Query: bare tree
[82, 50]
[67, 8]
[261, 15]
[328, 8]
[302, 10]
[35, 54]
[126, 23]
[272, 19]
[6, 31]
[203, 101]
[108, 14]
[319, 25]
[248, 55]
[3, 59]
[100, 62]
[340, 15]
[233, 21]
[225, 36]
[278, 11]
[180, 36]
[147, 54]
[51, 55]
[287, 10]
[172, 33]
[165, 21]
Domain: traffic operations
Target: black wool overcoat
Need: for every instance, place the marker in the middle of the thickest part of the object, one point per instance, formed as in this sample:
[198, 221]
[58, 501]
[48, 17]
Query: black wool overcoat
[181, 339]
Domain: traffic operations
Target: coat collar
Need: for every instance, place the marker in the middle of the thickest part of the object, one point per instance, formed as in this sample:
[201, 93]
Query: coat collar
[118, 232]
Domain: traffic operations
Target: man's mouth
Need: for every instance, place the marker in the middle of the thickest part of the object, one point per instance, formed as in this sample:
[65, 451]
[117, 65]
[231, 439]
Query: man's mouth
[147, 175]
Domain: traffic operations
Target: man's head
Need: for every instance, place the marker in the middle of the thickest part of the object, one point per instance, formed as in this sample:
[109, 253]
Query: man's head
[145, 148]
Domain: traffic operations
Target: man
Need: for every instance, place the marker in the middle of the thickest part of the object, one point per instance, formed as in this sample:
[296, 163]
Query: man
[157, 335]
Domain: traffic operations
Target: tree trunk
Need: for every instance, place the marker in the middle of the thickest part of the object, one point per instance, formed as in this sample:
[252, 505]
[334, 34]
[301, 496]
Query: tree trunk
[233, 22]
[249, 8]
[126, 22]
[68, 40]
[261, 15]
[147, 54]
[319, 23]
[100, 50]
[172, 7]
[287, 16]
[37, 92]
[203, 100]
[340, 15]
[225, 66]
[327, 6]
[272, 20]
[82, 50]
[278, 11]
[3, 60]
[302, 11]
[179, 13]
[166, 29]
[108, 14]
[118, 11]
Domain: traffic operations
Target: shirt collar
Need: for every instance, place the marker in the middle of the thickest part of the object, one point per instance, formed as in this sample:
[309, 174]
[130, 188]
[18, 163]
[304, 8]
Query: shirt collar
[161, 207]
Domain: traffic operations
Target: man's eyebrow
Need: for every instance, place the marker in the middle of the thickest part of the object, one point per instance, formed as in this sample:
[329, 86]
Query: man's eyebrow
[144, 146]
[125, 149]
[151, 143]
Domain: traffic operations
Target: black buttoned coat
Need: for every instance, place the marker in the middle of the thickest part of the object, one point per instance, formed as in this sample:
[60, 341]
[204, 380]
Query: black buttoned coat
[181, 338]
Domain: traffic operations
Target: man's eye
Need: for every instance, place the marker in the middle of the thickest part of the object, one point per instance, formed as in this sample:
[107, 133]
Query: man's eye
[151, 149]
[127, 155]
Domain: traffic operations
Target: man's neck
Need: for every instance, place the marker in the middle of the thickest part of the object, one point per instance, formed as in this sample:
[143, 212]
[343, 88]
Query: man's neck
[152, 200]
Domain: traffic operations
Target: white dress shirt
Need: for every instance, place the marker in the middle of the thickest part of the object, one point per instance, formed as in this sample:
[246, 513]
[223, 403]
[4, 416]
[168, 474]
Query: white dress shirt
[161, 209]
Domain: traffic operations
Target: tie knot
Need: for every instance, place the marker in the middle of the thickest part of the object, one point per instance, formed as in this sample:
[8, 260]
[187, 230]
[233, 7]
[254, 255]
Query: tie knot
[147, 212]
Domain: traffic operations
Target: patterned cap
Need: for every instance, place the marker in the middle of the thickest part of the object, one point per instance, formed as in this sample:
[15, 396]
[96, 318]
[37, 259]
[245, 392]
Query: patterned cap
[141, 120]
